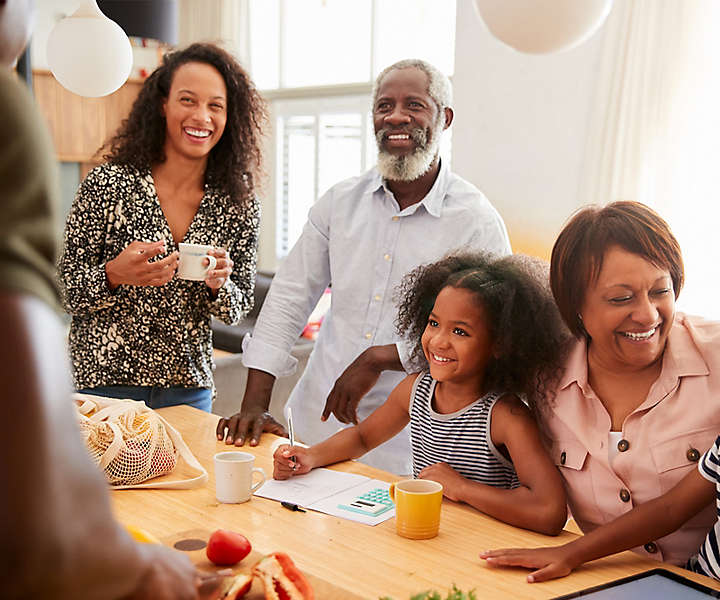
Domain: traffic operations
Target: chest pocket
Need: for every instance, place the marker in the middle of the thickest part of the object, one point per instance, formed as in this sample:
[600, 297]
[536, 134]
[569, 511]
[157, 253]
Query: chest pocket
[682, 451]
[568, 454]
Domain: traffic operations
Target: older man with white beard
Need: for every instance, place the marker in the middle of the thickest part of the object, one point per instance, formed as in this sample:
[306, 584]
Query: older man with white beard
[362, 237]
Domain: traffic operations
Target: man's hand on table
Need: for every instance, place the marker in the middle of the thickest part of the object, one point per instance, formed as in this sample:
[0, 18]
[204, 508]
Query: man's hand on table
[550, 563]
[253, 419]
[357, 380]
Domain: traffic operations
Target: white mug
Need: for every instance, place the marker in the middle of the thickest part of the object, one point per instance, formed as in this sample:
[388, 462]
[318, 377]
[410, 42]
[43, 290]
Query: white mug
[233, 477]
[192, 257]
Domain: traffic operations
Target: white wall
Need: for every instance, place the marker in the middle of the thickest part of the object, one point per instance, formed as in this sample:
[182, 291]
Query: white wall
[521, 124]
[47, 13]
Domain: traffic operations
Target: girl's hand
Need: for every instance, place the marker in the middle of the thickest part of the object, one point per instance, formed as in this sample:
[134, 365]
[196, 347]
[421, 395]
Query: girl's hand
[446, 476]
[216, 278]
[284, 467]
[133, 267]
[549, 562]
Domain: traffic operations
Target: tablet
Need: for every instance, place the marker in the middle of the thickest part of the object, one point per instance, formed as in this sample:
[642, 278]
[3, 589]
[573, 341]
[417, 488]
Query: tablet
[653, 584]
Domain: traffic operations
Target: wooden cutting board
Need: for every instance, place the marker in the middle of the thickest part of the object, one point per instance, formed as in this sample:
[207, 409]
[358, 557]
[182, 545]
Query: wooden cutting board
[323, 589]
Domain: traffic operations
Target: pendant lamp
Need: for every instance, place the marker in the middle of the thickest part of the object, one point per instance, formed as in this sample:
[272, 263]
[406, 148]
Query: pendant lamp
[154, 19]
[89, 54]
[542, 26]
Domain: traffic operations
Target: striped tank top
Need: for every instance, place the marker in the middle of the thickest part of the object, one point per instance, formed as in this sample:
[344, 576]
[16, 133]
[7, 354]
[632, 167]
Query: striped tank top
[460, 439]
[707, 561]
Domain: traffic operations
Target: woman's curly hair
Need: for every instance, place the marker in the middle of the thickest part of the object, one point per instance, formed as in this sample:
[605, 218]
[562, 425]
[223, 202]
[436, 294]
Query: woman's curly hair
[235, 162]
[529, 337]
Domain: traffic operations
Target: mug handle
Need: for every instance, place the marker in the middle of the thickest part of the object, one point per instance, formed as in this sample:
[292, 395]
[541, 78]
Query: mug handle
[259, 483]
[212, 262]
[391, 492]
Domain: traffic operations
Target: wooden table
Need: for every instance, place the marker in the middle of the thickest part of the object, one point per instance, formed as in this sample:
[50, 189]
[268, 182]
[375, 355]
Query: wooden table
[358, 560]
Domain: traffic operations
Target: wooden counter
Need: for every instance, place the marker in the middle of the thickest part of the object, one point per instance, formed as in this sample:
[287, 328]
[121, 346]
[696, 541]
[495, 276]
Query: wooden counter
[356, 559]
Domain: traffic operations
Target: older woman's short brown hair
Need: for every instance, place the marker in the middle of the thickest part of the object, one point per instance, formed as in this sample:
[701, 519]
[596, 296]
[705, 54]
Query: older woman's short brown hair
[577, 255]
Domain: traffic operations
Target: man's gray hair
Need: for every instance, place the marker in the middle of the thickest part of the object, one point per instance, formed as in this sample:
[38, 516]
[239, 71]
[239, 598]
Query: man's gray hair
[439, 86]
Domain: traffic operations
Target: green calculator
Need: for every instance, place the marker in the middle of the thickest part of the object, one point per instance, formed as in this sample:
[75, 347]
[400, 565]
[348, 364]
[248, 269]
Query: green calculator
[372, 503]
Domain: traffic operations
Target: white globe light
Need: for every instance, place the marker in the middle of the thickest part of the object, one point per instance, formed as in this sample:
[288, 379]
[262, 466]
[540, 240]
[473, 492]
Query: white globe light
[88, 53]
[540, 26]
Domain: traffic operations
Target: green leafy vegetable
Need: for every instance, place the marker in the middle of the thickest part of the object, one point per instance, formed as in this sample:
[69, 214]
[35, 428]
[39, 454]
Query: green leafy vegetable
[454, 594]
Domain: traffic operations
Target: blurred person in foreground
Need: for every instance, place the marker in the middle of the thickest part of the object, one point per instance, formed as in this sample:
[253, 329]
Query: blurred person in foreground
[58, 538]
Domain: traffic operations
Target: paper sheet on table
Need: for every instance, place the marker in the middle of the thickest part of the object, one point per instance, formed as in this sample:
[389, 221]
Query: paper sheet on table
[323, 490]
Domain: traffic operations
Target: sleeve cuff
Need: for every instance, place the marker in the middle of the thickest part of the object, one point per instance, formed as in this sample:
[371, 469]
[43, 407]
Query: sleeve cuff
[705, 465]
[99, 290]
[259, 355]
[226, 305]
[403, 350]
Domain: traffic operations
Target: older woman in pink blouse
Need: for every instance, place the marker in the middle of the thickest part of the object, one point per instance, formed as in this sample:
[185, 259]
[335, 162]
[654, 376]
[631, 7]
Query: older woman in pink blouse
[639, 402]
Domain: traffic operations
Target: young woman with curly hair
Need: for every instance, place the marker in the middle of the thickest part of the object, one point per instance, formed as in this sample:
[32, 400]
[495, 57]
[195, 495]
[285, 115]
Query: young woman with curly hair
[181, 168]
[489, 334]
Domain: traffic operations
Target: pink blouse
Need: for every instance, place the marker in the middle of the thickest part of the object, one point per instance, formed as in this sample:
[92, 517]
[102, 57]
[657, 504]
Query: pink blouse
[662, 439]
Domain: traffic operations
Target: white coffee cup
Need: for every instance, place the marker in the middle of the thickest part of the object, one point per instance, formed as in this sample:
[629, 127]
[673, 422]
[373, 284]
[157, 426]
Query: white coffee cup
[233, 476]
[192, 261]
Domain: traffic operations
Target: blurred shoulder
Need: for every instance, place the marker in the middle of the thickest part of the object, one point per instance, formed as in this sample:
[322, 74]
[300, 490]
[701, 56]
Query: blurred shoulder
[29, 193]
[16, 101]
[27, 145]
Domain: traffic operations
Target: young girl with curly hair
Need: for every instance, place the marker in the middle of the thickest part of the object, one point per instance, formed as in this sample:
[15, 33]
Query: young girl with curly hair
[181, 168]
[490, 339]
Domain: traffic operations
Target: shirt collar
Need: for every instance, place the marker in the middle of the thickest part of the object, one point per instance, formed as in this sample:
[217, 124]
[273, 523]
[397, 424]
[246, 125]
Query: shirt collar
[682, 357]
[576, 366]
[433, 200]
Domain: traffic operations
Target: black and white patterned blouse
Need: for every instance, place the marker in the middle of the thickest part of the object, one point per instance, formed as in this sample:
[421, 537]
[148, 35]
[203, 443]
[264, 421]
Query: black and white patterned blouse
[145, 335]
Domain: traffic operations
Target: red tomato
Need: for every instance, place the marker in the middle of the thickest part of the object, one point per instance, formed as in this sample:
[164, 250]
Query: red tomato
[227, 547]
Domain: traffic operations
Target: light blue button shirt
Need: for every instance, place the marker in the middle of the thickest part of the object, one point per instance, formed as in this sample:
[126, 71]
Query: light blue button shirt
[357, 239]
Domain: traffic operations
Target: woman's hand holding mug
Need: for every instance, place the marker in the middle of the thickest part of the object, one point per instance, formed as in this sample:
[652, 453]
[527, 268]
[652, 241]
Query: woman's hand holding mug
[217, 276]
[133, 265]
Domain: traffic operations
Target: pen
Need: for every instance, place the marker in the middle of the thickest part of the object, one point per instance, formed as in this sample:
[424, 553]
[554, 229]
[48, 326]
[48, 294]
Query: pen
[293, 507]
[291, 435]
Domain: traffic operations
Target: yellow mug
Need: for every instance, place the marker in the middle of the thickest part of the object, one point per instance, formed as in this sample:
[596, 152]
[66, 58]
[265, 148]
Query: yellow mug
[417, 507]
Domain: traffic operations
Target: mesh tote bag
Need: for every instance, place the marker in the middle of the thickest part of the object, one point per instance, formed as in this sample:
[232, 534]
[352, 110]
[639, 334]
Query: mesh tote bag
[133, 444]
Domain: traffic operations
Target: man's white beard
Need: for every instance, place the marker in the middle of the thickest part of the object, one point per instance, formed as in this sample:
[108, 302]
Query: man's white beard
[411, 166]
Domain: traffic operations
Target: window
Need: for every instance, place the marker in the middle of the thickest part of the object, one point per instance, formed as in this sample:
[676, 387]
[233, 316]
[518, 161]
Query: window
[316, 60]
[318, 143]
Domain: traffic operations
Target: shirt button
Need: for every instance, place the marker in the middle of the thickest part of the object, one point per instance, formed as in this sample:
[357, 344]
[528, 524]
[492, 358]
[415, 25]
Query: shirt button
[623, 445]
[386, 257]
[563, 457]
[377, 296]
[396, 218]
[651, 547]
[624, 495]
[368, 336]
[693, 455]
